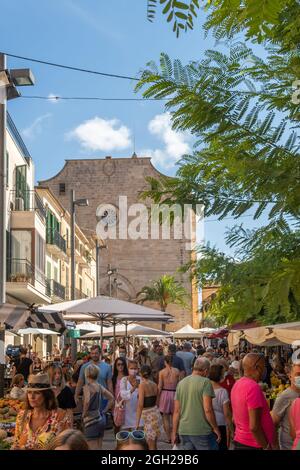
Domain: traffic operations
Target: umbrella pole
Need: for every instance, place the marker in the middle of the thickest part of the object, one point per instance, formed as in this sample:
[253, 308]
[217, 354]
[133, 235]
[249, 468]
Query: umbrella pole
[101, 338]
[126, 337]
[114, 351]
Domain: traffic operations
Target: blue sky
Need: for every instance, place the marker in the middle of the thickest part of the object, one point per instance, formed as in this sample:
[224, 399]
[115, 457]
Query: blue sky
[110, 36]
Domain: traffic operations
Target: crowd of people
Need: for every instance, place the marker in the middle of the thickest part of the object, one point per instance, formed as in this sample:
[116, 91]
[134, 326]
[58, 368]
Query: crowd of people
[194, 398]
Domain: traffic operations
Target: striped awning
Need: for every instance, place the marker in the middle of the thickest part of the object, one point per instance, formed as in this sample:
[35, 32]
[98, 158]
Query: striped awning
[48, 321]
[15, 317]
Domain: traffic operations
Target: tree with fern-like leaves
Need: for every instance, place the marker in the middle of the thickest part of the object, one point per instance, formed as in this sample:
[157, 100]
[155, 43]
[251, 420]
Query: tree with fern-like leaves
[241, 111]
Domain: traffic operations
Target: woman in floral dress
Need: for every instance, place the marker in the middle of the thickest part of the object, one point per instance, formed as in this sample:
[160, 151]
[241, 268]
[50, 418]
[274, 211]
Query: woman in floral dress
[42, 420]
[147, 409]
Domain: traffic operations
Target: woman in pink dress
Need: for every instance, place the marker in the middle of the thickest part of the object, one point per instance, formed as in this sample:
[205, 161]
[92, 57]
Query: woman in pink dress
[120, 371]
[167, 383]
[295, 423]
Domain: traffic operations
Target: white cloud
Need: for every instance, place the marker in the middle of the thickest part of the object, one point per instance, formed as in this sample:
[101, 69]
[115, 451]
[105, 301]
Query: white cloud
[35, 128]
[175, 143]
[102, 134]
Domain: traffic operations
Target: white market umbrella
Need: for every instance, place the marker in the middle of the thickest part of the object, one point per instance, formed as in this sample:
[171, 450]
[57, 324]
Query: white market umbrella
[103, 308]
[86, 326]
[37, 331]
[205, 331]
[187, 331]
[133, 329]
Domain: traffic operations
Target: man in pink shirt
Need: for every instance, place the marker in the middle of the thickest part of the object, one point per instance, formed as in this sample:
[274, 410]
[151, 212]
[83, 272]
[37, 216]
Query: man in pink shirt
[254, 428]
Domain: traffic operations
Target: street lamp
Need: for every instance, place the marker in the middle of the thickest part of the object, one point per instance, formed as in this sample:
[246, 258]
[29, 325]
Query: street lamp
[74, 203]
[9, 79]
[110, 272]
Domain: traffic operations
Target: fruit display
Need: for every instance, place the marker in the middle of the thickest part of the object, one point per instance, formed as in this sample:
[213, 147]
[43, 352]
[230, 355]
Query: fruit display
[9, 409]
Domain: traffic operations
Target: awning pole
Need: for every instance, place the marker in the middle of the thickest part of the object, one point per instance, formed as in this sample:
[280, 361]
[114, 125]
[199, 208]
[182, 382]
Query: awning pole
[126, 337]
[101, 337]
[114, 351]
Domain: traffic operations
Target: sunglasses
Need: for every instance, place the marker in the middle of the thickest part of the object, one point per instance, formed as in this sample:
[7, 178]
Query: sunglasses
[125, 435]
[120, 364]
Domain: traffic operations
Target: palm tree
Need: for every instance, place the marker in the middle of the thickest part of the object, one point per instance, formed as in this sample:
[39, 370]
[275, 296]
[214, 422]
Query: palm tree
[166, 290]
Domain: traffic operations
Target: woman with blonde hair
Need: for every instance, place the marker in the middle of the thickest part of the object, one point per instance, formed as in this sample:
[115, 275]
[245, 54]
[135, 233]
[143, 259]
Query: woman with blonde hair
[93, 418]
[61, 390]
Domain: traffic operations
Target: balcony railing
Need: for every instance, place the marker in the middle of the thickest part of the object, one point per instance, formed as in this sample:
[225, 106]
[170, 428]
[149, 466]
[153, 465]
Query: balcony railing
[54, 288]
[78, 294]
[27, 200]
[20, 270]
[54, 238]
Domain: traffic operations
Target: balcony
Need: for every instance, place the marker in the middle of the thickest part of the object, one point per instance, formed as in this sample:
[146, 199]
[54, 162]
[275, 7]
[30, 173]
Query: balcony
[55, 290]
[56, 244]
[25, 282]
[27, 201]
[78, 294]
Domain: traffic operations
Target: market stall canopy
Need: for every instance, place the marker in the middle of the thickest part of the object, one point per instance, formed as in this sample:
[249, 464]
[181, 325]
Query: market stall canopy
[134, 329]
[16, 317]
[270, 335]
[206, 331]
[221, 333]
[105, 308]
[187, 331]
[36, 331]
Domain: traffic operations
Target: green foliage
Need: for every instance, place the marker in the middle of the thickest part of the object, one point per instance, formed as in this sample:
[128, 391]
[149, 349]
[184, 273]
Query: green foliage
[274, 21]
[246, 156]
[166, 290]
[180, 13]
[264, 285]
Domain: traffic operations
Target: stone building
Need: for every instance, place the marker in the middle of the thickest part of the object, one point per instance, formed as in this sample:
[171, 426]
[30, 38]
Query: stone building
[126, 265]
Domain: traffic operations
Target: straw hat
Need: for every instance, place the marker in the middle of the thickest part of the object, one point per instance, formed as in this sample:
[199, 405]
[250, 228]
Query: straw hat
[38, 382]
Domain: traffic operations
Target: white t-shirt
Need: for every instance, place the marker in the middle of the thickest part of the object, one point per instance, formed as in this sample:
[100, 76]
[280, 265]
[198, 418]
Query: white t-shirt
[218, 402]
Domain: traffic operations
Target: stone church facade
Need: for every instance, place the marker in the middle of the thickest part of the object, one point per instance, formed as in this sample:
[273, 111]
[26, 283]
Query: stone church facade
[137, 262]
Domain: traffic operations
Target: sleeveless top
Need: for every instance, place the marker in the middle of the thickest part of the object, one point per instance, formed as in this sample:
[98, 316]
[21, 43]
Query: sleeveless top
[149, 402]
[93, 414]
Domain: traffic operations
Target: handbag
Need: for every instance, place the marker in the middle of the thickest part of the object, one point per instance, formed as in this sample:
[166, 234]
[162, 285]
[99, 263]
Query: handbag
[119, 412]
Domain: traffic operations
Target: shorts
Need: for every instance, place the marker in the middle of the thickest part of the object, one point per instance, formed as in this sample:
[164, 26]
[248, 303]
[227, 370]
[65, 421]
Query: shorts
[95, 431]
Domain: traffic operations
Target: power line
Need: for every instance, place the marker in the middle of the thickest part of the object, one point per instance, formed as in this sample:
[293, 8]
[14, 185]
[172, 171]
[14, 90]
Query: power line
[69, 67]
[88, 98]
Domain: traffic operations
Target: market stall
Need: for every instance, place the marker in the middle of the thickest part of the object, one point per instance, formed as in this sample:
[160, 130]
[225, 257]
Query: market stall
[266, 336]
[9, 409]
[187, 332]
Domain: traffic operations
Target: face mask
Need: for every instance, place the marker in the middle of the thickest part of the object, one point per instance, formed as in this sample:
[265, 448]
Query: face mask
[132, 372]
[297, 381]
[122, 354]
